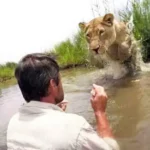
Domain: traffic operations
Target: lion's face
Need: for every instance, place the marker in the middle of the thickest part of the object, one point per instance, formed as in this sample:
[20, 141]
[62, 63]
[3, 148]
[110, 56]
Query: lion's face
[100, 33]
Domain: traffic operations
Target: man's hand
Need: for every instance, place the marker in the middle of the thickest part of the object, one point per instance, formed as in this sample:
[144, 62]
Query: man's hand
[98, 99]
[63, 105]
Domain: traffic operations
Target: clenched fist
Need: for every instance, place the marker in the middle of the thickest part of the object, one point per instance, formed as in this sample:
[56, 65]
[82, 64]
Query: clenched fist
[98, 98]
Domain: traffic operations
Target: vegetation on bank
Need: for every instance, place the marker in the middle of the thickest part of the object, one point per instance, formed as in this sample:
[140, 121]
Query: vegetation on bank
[141, 19]
[73, 52]
[7, 71]
[69, 53]
[141, 16]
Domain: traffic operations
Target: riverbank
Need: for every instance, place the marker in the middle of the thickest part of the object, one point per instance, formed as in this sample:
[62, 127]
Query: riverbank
[8, 83]
[9, 76]
[68, 54]
[7, 71]
[12, 81]
[71, 53]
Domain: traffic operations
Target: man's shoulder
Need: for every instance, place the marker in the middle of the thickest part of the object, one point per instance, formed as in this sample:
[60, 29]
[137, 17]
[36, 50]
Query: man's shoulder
[70, 118]
[50, 115]
[75, 117]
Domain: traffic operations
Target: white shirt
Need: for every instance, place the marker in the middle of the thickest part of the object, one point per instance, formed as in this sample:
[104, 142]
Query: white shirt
[43, 126]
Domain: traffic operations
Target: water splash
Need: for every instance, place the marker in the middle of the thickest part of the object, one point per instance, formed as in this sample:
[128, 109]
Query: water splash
[112, 69]
[145, 67]
[116, 70]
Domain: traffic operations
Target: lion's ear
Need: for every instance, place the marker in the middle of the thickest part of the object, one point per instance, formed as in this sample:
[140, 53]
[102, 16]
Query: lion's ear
[82, 25]
[108, 19]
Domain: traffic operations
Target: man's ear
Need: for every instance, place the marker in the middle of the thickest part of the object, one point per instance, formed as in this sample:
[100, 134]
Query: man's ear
[108, 19]
[82, 25]
[52, 83]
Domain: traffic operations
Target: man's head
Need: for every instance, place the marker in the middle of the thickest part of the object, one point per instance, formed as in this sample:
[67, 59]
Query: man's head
[38, 77]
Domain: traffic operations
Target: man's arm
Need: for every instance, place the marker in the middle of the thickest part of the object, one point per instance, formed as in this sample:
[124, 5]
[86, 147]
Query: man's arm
[88, 139]
[103, 127]
[99, 102]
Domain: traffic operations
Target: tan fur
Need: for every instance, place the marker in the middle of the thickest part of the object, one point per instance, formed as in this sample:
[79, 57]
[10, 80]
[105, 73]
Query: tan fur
[109, 39]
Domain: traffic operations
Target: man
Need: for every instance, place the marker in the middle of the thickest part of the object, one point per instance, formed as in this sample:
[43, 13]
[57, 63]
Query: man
[41, 124]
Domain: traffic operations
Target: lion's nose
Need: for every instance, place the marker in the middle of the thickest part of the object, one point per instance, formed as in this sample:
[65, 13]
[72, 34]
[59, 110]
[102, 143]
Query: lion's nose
[96, 50]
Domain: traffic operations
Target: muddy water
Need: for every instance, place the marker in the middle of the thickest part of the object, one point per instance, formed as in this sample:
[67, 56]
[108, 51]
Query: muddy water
[128, 106]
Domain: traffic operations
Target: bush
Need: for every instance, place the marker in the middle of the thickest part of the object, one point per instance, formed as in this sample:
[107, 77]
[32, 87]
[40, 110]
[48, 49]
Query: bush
[11, 65]
[141, 15]
[7, 71]
[72, 52]
[141, 20]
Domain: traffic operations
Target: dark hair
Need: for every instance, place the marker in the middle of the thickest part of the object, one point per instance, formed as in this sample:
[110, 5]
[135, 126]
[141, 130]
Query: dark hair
[34, 73]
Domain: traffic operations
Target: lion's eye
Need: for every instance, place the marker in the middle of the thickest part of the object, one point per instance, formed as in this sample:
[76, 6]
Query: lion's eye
[88, 35]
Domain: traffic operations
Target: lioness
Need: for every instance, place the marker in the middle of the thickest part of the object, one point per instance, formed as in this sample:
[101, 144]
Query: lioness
[110, 40]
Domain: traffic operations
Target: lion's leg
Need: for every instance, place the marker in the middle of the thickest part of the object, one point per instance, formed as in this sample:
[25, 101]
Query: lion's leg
[134, 61]
[124, 50]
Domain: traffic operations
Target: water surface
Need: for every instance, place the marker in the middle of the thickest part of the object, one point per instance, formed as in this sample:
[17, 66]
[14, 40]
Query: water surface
[128, 106]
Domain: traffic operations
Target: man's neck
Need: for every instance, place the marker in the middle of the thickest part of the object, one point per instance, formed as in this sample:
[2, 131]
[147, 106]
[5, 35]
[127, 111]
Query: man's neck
[48, 99]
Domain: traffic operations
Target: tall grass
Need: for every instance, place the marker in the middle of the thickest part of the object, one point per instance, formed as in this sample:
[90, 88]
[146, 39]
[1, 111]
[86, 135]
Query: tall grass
[141, 19]
[141, 15]
[7, 71]
[72, 52]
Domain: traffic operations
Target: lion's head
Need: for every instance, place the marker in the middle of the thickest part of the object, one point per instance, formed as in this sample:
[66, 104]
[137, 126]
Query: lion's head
[110, 41]
[100, 33]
